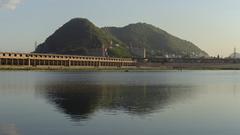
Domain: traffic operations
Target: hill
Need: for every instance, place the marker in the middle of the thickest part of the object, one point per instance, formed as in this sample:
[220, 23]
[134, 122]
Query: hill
[81, 37]
[158, 43]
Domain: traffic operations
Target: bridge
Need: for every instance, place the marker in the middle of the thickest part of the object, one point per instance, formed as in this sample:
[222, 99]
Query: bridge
[53, 60]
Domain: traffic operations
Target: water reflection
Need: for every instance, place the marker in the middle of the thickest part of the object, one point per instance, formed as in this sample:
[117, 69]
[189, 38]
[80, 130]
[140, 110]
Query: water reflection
[77, 101]
[8, 129]
[169, 103]
[80, 101]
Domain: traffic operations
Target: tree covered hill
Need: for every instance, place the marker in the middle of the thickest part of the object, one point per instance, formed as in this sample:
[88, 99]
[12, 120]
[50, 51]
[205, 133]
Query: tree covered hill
[156, 41]
[79, 36]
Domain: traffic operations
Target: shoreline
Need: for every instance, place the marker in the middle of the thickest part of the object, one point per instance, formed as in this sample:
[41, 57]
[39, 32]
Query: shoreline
[118, 69]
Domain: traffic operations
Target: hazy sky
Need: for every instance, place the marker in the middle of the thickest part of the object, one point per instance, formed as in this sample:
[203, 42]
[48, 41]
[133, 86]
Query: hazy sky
[213, 25]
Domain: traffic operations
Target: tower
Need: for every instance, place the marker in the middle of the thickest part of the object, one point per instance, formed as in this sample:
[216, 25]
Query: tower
[235, 53]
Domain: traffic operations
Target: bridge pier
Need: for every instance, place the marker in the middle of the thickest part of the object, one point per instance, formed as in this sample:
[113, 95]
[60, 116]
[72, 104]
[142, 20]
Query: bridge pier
[29, 62]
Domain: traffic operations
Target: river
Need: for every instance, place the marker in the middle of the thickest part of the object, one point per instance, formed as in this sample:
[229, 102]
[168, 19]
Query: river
[120, 103]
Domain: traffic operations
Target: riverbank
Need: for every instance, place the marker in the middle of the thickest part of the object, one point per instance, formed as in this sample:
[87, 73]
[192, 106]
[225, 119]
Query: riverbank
[61, 68]
[148, 67]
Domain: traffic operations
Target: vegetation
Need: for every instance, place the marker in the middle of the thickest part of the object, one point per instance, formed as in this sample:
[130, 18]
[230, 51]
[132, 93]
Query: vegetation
[81, 37]
[156, 41]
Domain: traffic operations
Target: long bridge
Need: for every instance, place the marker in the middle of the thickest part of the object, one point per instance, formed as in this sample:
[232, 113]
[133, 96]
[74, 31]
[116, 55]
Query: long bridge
[53, 60]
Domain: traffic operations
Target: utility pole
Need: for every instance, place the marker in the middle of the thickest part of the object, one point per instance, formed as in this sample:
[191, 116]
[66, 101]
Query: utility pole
[235, 53]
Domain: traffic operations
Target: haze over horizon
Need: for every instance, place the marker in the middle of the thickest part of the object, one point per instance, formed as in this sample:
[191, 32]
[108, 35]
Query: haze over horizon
[211, 25]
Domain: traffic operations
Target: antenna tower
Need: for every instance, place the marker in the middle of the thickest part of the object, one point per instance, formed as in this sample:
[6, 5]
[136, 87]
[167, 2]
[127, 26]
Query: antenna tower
[235, 53]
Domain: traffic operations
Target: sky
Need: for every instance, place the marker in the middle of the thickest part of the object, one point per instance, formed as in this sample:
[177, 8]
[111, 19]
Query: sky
[213, 25]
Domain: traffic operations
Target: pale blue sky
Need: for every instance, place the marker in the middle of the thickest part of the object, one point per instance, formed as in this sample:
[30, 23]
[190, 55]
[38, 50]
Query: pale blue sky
[213, 25]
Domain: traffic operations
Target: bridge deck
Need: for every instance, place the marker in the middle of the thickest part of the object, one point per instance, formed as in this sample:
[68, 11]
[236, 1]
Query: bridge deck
[34, 59]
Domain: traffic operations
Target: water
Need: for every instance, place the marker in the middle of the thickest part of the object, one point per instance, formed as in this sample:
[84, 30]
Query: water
[133, 103]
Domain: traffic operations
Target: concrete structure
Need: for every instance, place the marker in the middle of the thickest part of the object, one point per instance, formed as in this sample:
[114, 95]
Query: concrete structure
[51, 60]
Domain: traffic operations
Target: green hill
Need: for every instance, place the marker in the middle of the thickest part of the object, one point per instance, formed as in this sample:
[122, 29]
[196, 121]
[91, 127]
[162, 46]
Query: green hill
[157, 42]
[81, 37]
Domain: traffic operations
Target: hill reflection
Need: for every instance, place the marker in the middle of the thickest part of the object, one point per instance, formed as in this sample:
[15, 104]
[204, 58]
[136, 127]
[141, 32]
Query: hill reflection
[81, 101]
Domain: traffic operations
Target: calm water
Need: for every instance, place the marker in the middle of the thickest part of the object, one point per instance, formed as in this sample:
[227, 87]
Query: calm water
[141, 103]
